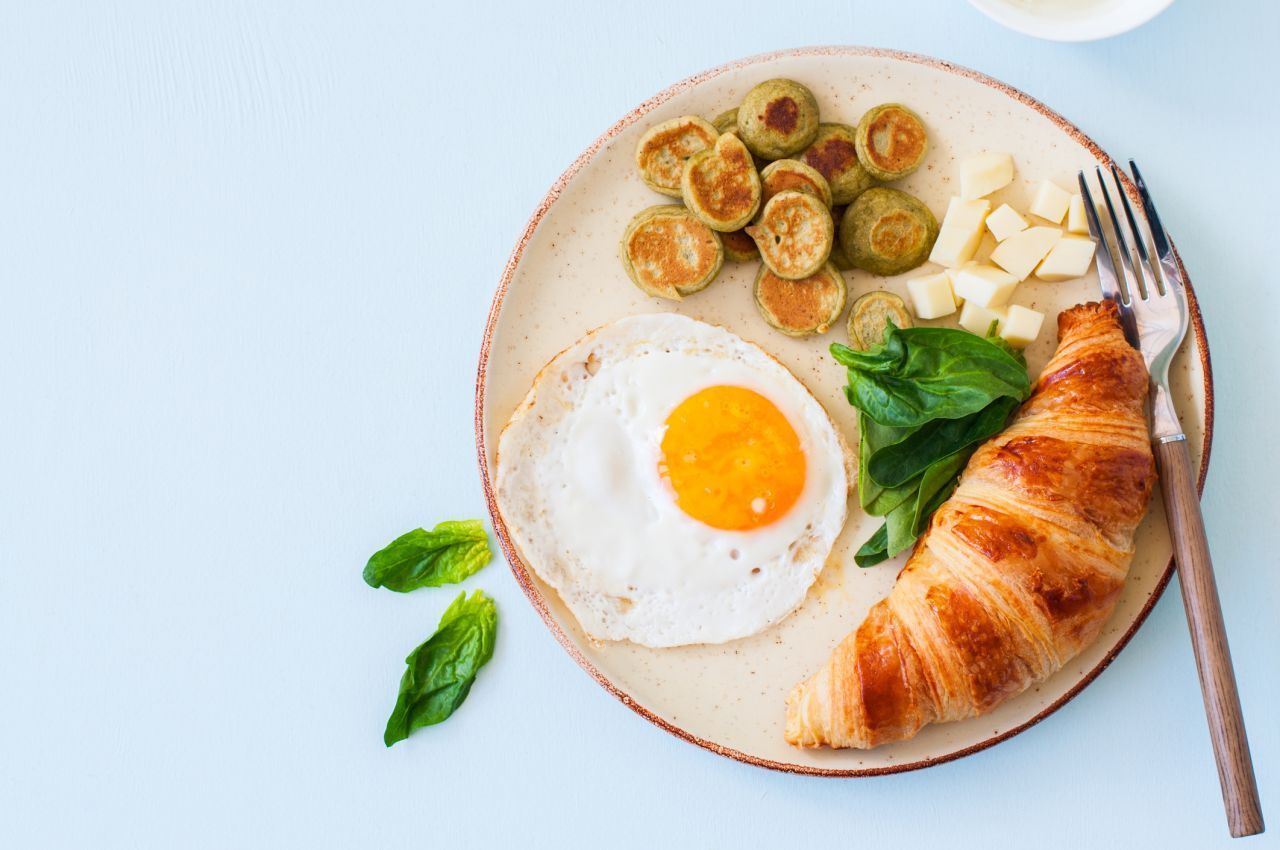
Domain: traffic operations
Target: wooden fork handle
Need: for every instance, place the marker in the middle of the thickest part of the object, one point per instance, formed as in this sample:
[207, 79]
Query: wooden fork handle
[1209, 639]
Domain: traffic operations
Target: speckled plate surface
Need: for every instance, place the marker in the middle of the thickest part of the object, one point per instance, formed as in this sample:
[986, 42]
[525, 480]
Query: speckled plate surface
[564, 278]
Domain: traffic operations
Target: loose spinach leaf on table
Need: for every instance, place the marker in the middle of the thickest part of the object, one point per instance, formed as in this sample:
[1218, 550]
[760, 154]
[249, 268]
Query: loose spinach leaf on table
[440, 671]
[446, 554]
[920, 374]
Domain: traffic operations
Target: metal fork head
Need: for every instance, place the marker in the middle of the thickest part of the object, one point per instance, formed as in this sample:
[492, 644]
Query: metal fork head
[1152, 300]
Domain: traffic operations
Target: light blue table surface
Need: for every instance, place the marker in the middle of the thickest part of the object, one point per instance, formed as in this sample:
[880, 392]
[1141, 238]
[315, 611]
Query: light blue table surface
[246, 253]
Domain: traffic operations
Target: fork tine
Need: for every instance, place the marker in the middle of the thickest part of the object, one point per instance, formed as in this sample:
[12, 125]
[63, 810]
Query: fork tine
[1122, 245]
[1107, 278]
[1149, 286]
[1164, 251]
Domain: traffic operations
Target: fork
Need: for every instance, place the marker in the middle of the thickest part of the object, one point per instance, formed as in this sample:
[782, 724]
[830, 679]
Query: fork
[1153, 310]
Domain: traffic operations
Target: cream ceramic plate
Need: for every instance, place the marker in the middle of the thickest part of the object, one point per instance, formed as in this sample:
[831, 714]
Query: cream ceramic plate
[564, 278]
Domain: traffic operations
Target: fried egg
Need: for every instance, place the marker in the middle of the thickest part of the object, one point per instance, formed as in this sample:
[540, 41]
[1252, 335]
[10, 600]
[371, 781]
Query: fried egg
[673, 482]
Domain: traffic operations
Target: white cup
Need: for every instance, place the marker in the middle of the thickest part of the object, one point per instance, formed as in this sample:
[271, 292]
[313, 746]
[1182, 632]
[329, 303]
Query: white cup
[1071, 20]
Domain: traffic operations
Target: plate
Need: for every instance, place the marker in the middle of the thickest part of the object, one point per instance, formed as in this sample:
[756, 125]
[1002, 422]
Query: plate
[564, 278]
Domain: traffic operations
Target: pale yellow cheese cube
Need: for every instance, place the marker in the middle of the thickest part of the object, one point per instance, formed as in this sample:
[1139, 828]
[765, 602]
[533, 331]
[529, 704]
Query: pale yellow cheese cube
[1050, 202]
[978, 320]
[985, 173]
[1069, 258]
[951, 276]
[960, 233]
[1076, 220]
[1021, 326]
[1021, 252]
[1005, 222]
[985, 286]
[931, 296]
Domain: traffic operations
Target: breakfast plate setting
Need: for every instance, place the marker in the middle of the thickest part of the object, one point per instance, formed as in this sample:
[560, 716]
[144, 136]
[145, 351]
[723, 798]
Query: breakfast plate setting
[803, 422]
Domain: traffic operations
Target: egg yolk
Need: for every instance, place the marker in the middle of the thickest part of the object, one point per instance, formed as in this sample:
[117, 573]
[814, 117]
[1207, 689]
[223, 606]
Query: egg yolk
[732, 459]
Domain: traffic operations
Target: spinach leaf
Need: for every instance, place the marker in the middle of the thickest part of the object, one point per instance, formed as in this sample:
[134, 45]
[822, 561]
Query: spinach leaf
[908, 519]
[895, 464]
[872, 438]
[936, 485]
[886, 357]
[875, 550]
[925, 513]
[890, 498]
[446, 554]
[920, 374]
[926, 398]
[900, 528]
[440, 671]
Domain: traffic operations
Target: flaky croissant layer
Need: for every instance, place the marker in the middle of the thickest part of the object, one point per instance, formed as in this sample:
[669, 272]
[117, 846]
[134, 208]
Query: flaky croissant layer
[1017, 571]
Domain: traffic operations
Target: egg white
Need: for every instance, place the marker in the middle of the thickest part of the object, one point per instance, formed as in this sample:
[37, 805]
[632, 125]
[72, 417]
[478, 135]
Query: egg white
[579, 490]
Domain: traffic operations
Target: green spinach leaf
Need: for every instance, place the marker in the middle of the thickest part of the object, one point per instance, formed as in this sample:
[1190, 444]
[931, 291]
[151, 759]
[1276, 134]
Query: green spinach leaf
[900, 528]
[926, 398]
[898, 463]
[875, 550]
[920, 374]
[446, 554]
[872, 437]
[908, 519]
[440, 671]
[936, 485]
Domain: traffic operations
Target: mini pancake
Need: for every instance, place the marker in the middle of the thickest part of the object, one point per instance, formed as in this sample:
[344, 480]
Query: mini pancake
[665, 148]
[720, 185]
[783, 174]
[869, 319]
[839, 258]
[667, 252]
[892, 141]
[778, 118]
[802, 307]
[739, 247]
[834, 154]
[887, 232]
[794, 234]
[726, 122]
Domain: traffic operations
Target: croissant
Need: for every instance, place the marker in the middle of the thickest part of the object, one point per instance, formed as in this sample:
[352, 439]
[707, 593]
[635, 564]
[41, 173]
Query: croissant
[1017, 571]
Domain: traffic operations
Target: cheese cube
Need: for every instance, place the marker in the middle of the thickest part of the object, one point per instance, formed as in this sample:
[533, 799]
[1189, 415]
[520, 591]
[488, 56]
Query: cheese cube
[1005, 222]
[1077, 222]
[951, 276]
[931, 296]
[960, 233]
[1021, 326]
[985, 173]
[1021, 252]
[984, 286]
[1050, 202]
[977, 319]
[1069, 258]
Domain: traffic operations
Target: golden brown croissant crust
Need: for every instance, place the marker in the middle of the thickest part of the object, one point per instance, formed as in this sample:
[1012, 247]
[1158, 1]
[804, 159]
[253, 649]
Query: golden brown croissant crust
[1018, 570]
